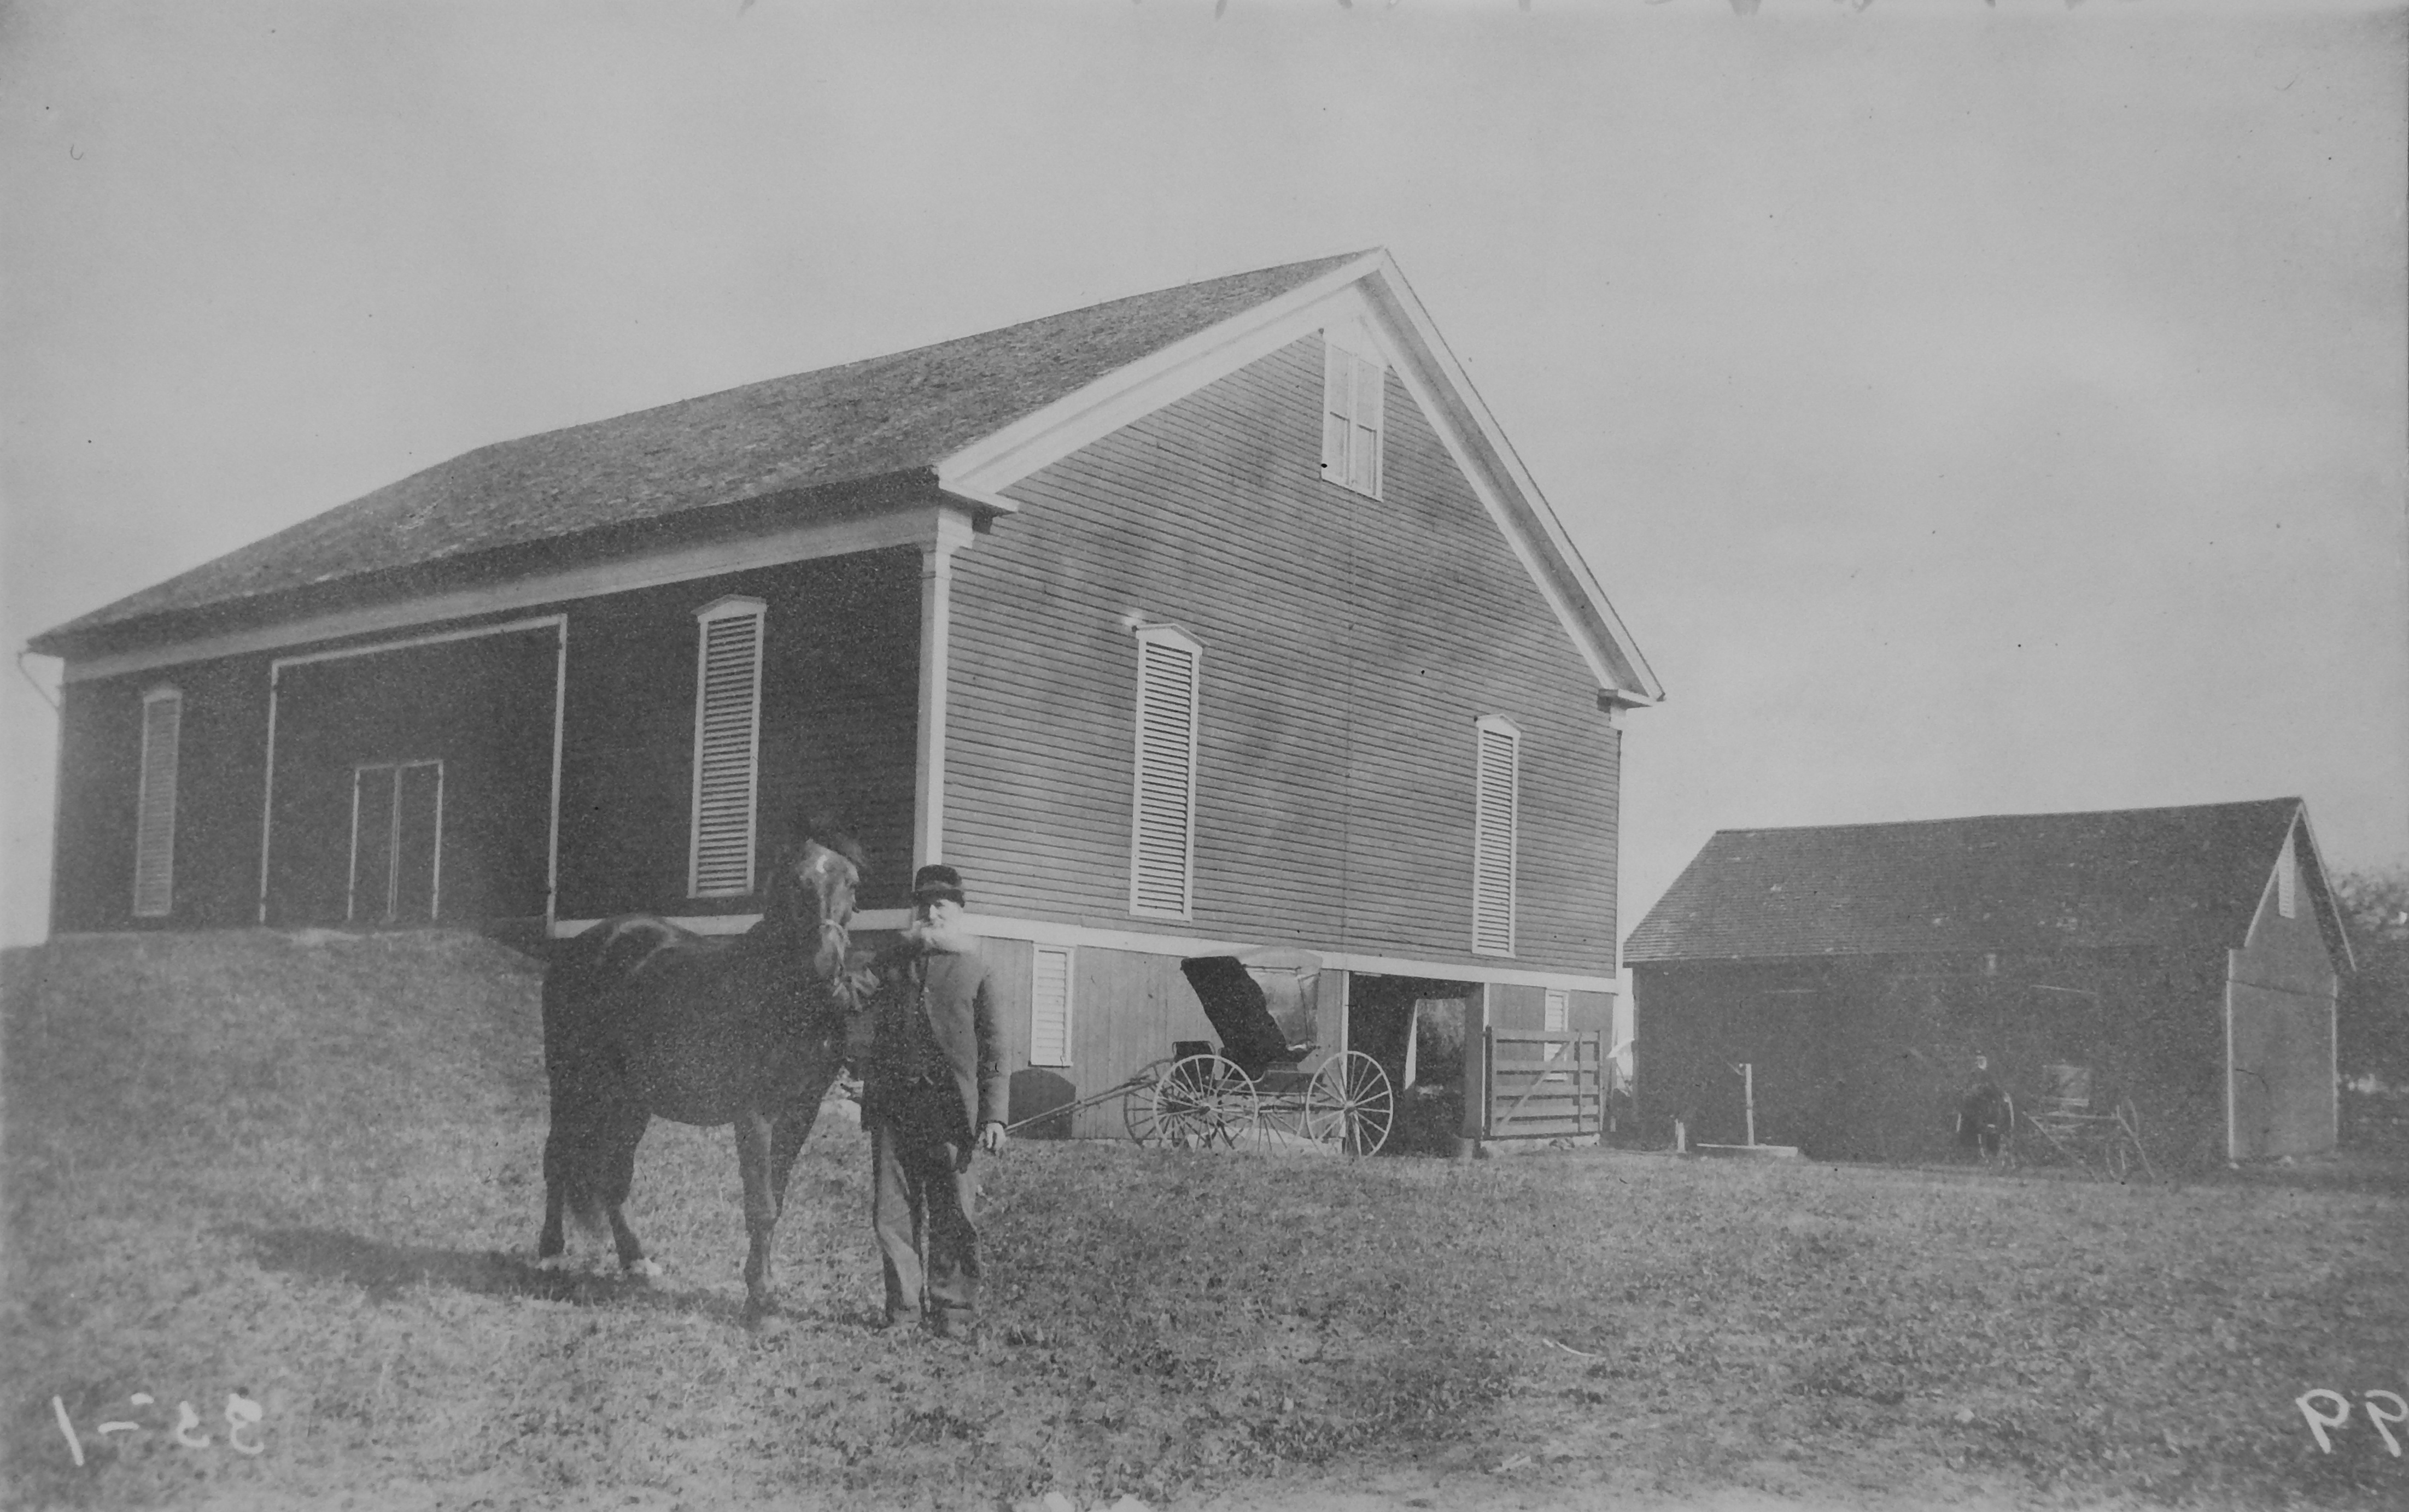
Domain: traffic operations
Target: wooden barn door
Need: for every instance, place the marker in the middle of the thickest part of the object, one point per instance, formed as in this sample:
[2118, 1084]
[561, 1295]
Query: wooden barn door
[396, 843]
[412, 784]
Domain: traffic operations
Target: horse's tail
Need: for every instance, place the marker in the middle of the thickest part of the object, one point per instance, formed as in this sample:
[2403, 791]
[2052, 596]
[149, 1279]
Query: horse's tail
[576, 977]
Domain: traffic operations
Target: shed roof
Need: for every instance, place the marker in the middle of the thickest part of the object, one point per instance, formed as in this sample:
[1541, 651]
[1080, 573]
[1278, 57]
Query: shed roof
[784, 436]
[2121, 877]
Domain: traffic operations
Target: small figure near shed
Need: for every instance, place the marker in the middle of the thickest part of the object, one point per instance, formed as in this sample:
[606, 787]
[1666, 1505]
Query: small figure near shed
[1984, 1114]
[934, 1092]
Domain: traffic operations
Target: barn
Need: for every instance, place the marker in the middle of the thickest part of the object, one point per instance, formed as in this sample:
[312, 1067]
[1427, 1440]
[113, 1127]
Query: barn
[2185, 960]
[1219, 620]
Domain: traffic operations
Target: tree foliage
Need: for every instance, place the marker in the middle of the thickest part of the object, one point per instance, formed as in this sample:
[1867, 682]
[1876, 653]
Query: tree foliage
[2374, 1010]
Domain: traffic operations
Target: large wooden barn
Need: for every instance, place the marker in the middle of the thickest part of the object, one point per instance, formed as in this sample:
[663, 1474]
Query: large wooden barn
[2185, 959]
[1216, 620]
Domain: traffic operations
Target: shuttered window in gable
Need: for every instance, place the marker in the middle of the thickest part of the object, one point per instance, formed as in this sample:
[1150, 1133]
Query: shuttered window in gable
[1352, 404]
[1496, 803]
[154, 821]
[727, 746]
[1162, 829]
[1049, 1006]
[2287, 880]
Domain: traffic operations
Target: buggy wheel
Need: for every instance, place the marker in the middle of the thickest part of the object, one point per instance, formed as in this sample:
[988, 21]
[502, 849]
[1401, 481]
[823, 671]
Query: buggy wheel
[1349, 1105]
[1204, 1101]
[2118, 1157]
[1138, 1104]
[2128, 1124]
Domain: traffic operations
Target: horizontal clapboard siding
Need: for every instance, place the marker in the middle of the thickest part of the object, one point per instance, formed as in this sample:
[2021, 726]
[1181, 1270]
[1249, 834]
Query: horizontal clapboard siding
[1350, 643]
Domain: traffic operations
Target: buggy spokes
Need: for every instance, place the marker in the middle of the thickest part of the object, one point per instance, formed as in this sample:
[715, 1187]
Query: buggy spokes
[1349, 1105]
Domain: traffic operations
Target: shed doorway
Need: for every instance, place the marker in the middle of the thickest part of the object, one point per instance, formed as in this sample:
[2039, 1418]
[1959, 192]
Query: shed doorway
[1415, 1028]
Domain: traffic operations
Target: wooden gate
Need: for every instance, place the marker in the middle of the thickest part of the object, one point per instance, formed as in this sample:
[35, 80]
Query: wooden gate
[1538, 1085]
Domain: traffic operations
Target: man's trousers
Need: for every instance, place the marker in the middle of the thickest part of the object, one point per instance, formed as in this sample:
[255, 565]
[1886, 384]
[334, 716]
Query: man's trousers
[922, 1197]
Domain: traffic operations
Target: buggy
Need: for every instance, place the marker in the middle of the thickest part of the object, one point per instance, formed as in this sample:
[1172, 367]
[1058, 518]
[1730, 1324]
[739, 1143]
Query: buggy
[1256, 1089]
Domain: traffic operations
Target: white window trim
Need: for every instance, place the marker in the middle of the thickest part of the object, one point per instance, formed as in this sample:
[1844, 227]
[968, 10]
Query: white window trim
[1485, 940]
[1354, 379]
[1069, 956]
[719, 612]
[1149, 636]
[154, 830]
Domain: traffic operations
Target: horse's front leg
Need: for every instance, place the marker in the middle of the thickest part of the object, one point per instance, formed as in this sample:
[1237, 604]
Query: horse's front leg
[754, 1131]
[553, 1240]
[794, 1124]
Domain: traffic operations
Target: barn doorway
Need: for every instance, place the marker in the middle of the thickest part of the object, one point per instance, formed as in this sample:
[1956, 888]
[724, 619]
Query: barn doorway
[396, 843]
[1415, 1026]
[414, 781]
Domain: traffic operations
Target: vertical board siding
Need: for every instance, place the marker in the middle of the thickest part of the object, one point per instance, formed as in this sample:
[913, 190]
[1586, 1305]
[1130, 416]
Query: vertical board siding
[2284, 986]
[838, 733]
[219, 738]
[1865, 1057]
[838, 721]
[1352, 643]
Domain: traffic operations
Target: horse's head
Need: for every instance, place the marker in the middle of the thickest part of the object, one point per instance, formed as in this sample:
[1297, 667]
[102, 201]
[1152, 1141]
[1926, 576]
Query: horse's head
[809, 901]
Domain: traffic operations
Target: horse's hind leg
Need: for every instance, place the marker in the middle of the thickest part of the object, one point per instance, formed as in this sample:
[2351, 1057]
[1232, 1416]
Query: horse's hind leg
[615, 1174]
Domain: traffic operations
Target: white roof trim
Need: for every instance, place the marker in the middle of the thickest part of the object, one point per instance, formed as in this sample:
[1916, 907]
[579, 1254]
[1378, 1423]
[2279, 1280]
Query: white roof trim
[1369, 290]
[917, 523]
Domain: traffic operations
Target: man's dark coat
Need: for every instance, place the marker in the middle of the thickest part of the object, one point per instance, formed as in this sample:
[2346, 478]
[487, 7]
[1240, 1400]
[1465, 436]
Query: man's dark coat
[943, 983]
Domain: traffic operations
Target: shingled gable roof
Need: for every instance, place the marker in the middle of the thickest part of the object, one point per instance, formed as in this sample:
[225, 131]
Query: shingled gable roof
[2033, 881]
[960, 421]
[781, 439]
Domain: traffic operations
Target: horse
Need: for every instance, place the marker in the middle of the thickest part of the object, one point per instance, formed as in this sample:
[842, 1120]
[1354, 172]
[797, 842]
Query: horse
[642, 1020]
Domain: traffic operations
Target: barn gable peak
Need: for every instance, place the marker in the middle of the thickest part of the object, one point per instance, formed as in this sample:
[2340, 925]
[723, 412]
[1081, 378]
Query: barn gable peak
[1362, 306]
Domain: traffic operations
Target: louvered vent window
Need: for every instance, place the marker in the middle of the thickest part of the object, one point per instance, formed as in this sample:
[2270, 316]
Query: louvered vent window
[1559, 1011]
[727, 746]
[1049, 1006]
[2287, 881]
[1496, 799]
[1351, 404]
[1163, 840]
[154, 821]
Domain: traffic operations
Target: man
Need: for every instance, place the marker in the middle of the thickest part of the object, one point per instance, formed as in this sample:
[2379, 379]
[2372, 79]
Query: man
[933, 1091]
[1982, 1112]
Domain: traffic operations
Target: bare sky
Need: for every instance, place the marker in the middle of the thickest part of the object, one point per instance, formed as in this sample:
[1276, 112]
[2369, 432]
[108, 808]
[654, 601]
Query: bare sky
[1969, 409]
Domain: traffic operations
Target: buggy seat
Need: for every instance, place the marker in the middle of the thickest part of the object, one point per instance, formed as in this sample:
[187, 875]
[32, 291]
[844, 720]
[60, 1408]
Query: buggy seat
[1251, 1038]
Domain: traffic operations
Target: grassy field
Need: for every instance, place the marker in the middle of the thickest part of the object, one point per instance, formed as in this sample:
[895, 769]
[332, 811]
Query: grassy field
[307, 1170]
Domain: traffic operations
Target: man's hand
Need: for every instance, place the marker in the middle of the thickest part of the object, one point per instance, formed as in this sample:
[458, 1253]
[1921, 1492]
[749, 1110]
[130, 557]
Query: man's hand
[990, 1138]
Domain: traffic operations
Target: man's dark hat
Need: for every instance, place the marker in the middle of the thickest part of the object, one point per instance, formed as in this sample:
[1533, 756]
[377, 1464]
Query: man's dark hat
[937, 882]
